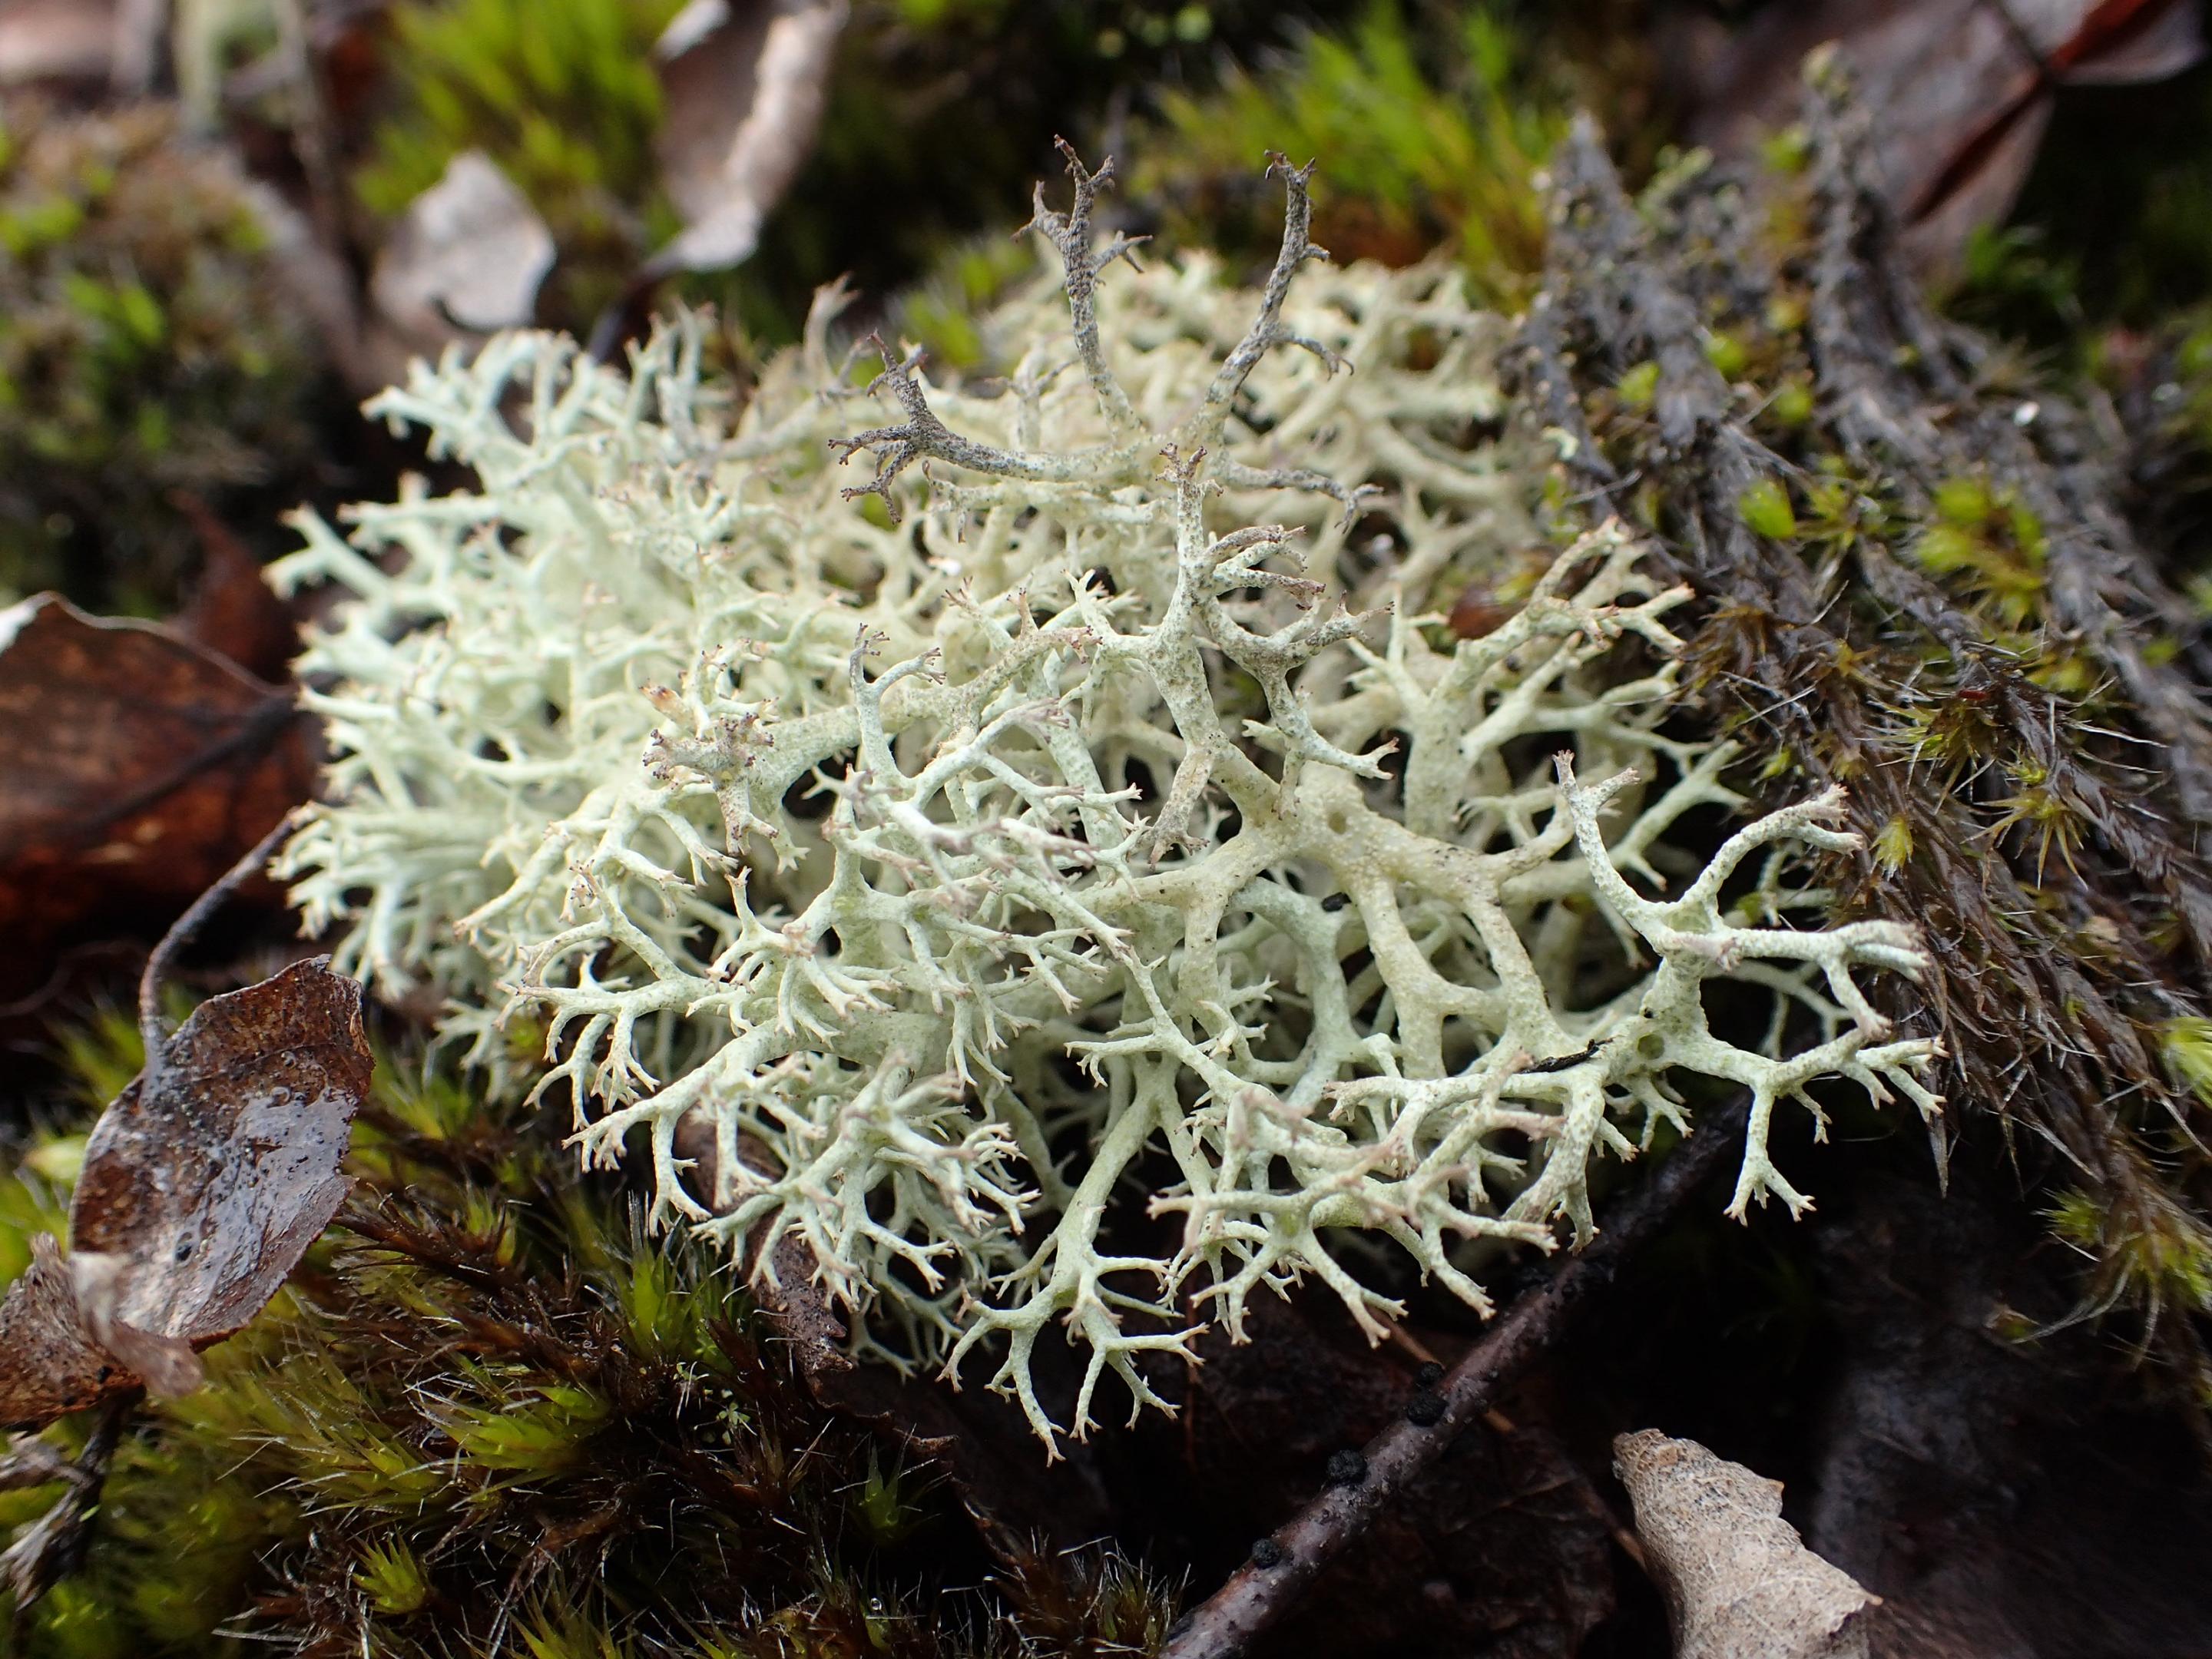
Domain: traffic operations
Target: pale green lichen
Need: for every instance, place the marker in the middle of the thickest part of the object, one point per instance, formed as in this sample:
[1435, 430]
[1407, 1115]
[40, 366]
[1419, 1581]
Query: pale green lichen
[1152, 873]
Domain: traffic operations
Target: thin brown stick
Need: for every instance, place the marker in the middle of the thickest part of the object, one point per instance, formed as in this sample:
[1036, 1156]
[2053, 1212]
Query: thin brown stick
[1287, 1562]
[181, 933]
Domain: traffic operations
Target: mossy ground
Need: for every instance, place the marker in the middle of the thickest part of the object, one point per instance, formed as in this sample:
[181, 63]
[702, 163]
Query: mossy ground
[1920, 584]
[489, 1415]
[140, 355]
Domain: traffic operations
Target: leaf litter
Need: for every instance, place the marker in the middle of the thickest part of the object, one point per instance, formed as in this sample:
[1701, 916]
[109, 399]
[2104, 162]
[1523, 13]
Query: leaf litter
[204, 1181]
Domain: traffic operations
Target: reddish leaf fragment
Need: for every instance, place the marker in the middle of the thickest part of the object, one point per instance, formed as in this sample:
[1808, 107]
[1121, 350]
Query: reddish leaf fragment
[203, 1184]
[1959, 91]
[134, 768]
[1477, 613]
[231, 610]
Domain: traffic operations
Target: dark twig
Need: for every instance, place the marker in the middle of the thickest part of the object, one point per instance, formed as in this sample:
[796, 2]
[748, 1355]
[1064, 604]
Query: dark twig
[50, 1547]
[1070, 232]
[1266, 1587]
[184, 929]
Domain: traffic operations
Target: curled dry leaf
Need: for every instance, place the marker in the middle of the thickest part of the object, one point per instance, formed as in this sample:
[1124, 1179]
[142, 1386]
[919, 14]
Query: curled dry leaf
[134, 767]
[204, 1183]
[467, 256]
[1739, 1582]
[746, 87]
[1960, 90]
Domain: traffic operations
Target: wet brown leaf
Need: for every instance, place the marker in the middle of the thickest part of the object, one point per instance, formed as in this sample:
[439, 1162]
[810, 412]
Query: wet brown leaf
[135, 766]
[231, 610]
[1959, 91]
[204, 1183]
[745, 82]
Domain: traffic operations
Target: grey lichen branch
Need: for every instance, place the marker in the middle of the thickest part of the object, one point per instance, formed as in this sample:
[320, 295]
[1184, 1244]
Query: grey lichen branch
[1268, 330]
[922, 433]
[1070, 235]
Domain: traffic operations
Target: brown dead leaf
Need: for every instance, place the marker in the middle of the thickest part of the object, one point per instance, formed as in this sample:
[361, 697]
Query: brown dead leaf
[790, 1293]
[204, 1183]
[1739, 1582]
[134, 768]
[745, 82]
[231, 610]
[1959, 91]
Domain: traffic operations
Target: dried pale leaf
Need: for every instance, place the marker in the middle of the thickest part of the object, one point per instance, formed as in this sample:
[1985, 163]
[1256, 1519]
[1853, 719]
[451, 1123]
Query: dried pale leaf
[744, 95]
[56, 40]
[204, 1183]
[135, 767]
[1739, 1582]
[467, 256]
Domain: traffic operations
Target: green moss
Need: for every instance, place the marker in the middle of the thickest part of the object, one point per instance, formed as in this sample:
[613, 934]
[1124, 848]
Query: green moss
[1893, 846]
[30, 1204]
[1792, 405]
[941, 314]
[1765, 508]
[564, 97]
[1991, 544]
[1727, 352]
[393, 1579]
[491, 1415]
[1426, 139]
[1638, 386]
[141, 353]
[2158, 1253]
[2187, 1045]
